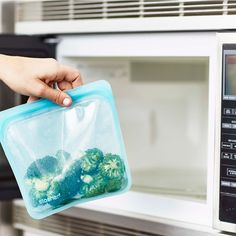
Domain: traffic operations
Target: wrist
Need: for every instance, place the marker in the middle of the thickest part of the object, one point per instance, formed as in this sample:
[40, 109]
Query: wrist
[3, 59]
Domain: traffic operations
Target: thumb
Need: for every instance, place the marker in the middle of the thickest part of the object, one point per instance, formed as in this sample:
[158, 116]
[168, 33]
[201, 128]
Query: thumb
[56, 96]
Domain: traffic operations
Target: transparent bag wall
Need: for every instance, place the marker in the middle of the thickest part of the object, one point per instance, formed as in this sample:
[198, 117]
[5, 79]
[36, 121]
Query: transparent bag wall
[163, 109]
[68, 155]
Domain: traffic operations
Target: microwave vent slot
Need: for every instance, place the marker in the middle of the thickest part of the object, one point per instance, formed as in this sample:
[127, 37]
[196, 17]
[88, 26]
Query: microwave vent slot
[70, 226]
[50, 10]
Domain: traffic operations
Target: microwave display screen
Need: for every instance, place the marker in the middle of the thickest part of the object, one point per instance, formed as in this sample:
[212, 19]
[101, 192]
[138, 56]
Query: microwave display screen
[230, 75]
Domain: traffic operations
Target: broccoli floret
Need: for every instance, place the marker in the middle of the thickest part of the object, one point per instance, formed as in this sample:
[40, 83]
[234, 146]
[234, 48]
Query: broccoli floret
[62, 190]
[33, 171]
[114, 185]
[87, 165]
[92, 185]
[74, 169]
[41, 184]
[63, 156]
[55, 190]
[91, 160]
[66, 185]
[87, 179]
[37, 197]
[112, 167]
[38, 191]
[57, 181]
[41, 167]
[95, 155]
[39, 176]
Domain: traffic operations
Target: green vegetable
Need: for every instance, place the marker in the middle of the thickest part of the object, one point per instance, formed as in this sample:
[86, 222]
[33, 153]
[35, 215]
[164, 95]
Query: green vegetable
[44, 166]
[87, 165]
[112, 167]
[95, 155]
[36, 197]
[114, 185]
[63, 189]
[87, 179]
[42, 184]
[75, 169]
[92, 185]
[66, 185]
[91, 160]
[57, 181]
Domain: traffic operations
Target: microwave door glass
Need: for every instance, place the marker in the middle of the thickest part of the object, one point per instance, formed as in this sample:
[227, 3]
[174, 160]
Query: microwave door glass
[163, 108]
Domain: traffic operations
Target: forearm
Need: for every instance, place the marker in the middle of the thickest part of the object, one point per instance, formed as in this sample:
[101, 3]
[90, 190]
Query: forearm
[3, 64]
[6, 63]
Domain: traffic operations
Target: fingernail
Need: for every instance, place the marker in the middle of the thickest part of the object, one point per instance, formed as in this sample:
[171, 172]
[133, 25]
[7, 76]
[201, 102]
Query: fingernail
[66, 101]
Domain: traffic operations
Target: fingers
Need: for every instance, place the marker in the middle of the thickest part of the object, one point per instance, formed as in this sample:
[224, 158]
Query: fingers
[57, 96]
[70, 75]
[54, 95]
[64, 85]
[65, 77]
[31, 99]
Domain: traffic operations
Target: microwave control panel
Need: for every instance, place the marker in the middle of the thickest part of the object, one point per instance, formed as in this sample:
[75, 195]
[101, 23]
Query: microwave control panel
[227, 204]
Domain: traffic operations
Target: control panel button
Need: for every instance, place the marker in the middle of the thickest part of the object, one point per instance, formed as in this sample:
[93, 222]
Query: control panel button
[233, 126]
[228, 184]
[226, 155]
[225, 183]
[228, 111]
[226, 145]
[231, 172]
[227, 125]
[234, 145]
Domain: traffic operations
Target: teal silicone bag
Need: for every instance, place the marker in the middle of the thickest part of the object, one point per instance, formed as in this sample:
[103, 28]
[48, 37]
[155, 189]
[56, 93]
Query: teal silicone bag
[65, 156]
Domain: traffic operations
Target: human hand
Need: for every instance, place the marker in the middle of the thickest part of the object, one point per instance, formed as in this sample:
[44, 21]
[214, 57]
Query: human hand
[35, 77]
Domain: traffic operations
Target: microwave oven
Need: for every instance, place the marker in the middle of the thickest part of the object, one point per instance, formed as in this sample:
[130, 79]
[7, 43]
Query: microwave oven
[171, 65]
[165, 89]
[175, 94]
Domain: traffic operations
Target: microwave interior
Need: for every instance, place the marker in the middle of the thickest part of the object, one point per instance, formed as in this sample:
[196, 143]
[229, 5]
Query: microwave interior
[163, 109]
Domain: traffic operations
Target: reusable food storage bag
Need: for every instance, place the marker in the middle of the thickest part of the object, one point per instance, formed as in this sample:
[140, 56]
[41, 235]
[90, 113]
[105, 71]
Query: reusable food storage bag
[62, 156]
